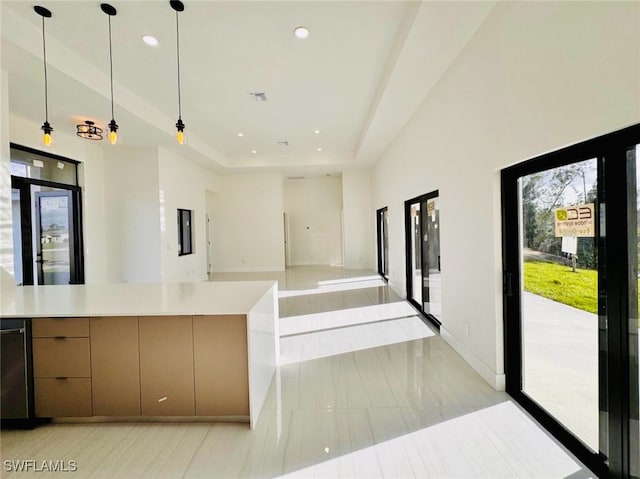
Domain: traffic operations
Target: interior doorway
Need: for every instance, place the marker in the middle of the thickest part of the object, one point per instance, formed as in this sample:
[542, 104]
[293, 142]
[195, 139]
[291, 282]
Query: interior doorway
[382, 221]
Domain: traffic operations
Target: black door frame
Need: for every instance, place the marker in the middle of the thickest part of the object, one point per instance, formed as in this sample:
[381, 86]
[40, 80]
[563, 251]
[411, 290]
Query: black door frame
[615, 306]
[408, 228]
[76, 266]
[380, 242]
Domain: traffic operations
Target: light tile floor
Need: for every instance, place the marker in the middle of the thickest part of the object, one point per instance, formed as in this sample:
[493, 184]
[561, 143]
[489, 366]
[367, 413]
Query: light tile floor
[404, 406]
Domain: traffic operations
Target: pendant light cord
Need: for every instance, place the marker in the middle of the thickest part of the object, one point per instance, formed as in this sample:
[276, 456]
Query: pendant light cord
[178, 57]
[46, 96]
[111, 67]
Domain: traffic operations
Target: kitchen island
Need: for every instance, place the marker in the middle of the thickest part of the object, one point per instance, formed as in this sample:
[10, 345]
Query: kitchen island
[205, 351]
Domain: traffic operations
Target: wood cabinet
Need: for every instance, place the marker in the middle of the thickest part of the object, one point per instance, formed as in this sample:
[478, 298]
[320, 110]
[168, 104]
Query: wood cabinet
[115, 366]
[67, 327]
[220, 361]
[69, 397]
[62, 367]
[61, 357]
[166, 366]
[141, 366]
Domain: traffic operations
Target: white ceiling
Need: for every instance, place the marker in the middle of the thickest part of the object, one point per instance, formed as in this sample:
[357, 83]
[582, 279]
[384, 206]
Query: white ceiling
[358, 77]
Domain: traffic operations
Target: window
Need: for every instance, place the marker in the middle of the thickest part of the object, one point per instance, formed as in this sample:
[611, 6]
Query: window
[29, 163]
[185, 232]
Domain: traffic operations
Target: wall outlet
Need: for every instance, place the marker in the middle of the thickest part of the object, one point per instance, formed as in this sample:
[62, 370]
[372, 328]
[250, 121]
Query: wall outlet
[467, 328]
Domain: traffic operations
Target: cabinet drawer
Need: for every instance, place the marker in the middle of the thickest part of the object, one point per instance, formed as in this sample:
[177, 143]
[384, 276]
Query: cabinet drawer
[69, 357]
[62, 397]
[53, 327]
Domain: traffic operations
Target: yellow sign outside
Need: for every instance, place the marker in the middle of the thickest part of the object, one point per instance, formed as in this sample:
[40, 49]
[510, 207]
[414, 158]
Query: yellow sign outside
[576, 221]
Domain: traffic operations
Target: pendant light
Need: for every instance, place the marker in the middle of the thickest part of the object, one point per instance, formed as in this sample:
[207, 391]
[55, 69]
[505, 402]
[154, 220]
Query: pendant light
[178, 6]
[46, 126]
[113, 126]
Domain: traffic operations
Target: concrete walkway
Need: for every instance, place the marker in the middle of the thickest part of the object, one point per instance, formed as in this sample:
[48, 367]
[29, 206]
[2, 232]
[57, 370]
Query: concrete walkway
[560, 363]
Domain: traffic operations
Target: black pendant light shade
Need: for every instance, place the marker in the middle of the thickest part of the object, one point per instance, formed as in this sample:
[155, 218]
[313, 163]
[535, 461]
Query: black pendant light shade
[178, 7]
[46, 127]
[113, 126]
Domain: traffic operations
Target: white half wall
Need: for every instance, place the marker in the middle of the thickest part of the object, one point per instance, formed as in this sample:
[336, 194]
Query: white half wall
[132, 214]
[359, 223]
[314, 208]
[536, 76]
[183, 184]
[248, 231]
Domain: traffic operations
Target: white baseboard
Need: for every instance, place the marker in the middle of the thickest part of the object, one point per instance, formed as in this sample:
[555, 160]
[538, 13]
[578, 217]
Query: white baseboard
[497, 381]
[248, 269]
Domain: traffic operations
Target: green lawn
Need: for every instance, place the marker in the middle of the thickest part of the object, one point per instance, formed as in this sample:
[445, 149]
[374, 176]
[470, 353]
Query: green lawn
[560, 283]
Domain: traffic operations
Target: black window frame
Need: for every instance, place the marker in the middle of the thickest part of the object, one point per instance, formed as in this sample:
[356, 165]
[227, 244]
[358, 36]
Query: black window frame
[185, 232]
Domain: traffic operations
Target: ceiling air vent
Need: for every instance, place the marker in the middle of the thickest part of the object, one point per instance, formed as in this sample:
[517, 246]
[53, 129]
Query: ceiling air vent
[295, 177]
[258, 96]
[283, 143]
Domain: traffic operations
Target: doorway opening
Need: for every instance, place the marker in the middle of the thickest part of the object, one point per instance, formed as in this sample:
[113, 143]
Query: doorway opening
[382, 221]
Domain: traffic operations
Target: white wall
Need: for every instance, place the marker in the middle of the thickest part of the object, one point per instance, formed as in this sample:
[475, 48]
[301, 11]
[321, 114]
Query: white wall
[90, 178]
[6, 224]
[211, 199]
[248, 232]
[183, 184]
[123, 240]
[359, 223]
[536, 76]
[314, 208]
[132, 214]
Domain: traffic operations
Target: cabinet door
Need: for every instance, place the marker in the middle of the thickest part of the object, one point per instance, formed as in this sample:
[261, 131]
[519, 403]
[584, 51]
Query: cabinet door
[61, 357]
[56, 327]
[115, 366]
[221, 371]
[68, 397]
[166, 365]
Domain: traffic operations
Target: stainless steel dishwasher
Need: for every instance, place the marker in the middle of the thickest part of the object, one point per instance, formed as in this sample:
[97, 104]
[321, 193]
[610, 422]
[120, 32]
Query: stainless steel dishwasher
[16, 374]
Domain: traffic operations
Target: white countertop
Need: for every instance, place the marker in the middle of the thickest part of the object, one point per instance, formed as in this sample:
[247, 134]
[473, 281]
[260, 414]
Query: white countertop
[204, 298]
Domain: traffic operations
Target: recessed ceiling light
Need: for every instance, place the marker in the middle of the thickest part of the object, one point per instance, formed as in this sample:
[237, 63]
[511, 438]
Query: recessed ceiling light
[319, 149]
[240, 134]
[301, 32]
[150, 40]
[254, 151]
[317, 132]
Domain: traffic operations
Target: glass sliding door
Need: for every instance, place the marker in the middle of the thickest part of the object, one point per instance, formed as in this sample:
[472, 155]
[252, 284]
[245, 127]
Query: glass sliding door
[559, 300]
[571, 245]
[431, 283]
[382, 216]
[424, 286]
[633, 228]
[414, 280]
